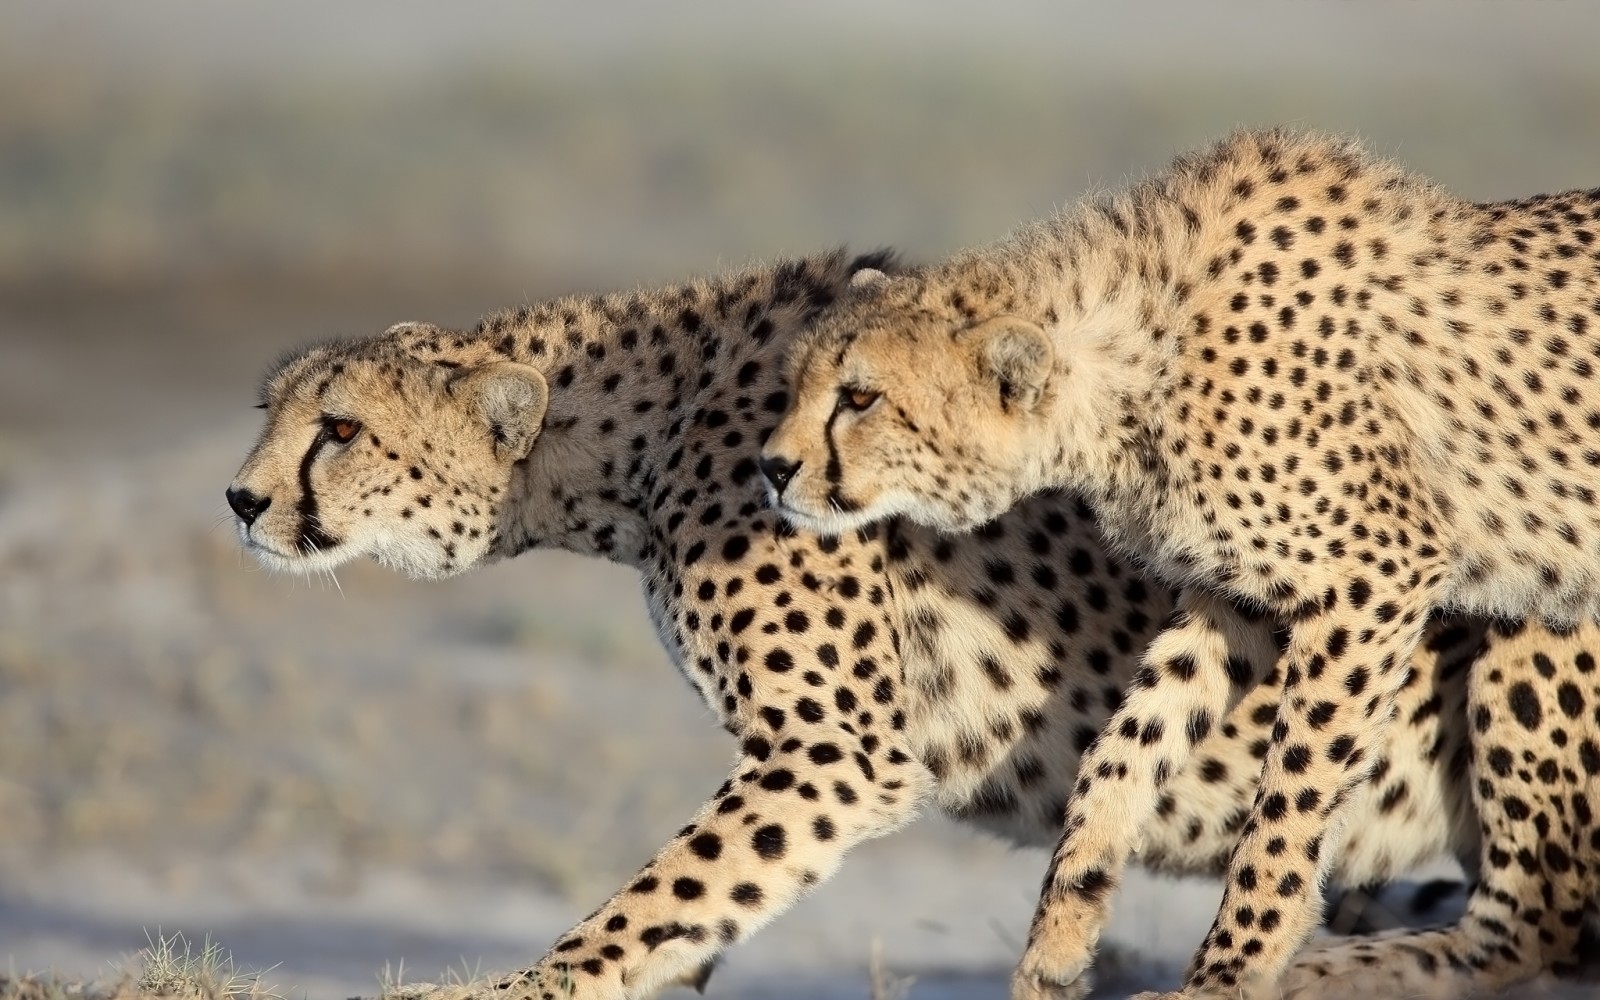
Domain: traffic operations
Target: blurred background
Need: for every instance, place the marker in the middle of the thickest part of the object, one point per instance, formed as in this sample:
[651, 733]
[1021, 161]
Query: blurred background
[329, 779]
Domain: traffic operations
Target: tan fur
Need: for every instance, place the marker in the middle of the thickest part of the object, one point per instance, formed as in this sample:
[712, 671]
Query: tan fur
[967, 672]
[1285, 371]
[424, 497]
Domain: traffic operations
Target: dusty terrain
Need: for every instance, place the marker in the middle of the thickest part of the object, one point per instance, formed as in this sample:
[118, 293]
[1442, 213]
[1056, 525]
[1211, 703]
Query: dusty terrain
[335, 776]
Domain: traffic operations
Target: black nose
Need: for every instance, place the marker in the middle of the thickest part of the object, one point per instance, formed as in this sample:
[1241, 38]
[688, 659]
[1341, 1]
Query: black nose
[778, 471]
[247, 505]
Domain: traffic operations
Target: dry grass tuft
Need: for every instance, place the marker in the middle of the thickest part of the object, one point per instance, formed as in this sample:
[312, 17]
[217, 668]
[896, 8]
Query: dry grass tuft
[170, 966]
[458, 984]
[882, 984]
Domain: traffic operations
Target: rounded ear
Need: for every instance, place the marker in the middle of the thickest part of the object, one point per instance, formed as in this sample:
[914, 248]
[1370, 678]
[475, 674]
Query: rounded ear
[1016, 354]
[511, 400]
[409, 326]
[867, 276]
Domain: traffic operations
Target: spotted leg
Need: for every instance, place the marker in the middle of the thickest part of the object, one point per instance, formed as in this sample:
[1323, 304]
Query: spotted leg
[1193, 673]
[1348, 655]
[1536, 775]
[824, 767]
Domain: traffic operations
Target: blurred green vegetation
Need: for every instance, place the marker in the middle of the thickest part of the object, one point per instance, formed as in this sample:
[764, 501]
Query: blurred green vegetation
[639, 168]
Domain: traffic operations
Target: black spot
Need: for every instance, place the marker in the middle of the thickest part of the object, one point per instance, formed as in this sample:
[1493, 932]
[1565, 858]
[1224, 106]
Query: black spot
[1589, 756]
[1524, 703]
[1570, 698]
[688, 888]
[1094, 885]
[770, 842]
[779, 661]
[864, 634]
[824, 754]
[706, 845]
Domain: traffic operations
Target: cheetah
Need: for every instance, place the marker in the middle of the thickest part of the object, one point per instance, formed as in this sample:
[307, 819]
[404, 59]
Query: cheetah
[866, 675]
[1283, 371]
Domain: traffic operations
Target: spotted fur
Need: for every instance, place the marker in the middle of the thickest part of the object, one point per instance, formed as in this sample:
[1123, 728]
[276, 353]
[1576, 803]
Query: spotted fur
[1284, 371]
[864, 675]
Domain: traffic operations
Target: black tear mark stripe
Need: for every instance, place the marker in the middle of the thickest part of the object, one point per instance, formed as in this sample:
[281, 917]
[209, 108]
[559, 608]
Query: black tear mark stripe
[834, 473]
[312, 538]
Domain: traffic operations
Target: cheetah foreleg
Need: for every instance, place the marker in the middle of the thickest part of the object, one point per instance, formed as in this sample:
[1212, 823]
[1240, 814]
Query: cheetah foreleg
[1344, 668]
[1193, 673]
[799, 800]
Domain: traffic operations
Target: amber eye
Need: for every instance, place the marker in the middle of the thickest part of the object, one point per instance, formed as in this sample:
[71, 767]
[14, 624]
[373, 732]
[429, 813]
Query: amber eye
[342, 430]
[856, 398]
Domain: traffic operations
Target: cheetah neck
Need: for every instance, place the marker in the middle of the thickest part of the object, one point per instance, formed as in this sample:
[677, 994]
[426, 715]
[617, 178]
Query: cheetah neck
[621, 388]
[648, 390]
[1110, 302]
[1099, 414]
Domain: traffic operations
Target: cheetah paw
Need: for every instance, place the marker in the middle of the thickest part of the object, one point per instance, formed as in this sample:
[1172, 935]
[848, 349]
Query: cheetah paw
[1034, 987]
[1035, 979]
[1055, 964]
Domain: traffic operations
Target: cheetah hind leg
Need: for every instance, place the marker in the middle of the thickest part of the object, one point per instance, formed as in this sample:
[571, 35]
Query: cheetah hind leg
[1457, 962]
[1538, 887]
[1447, 963]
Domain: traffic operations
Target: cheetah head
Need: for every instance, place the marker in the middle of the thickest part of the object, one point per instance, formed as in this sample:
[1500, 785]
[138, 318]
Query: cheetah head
[369, 451]
[903, 406]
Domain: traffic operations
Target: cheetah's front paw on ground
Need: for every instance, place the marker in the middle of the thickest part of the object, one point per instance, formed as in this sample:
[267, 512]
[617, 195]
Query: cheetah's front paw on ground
[1054, 967]
[1031, 986]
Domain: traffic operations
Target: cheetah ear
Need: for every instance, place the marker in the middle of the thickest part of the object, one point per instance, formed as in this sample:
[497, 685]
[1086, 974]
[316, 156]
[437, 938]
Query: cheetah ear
[511, 400]
[410, 326]
[867, 276]
[1016, 354]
